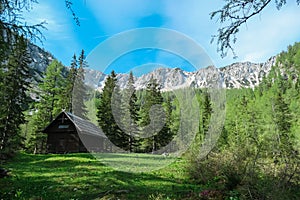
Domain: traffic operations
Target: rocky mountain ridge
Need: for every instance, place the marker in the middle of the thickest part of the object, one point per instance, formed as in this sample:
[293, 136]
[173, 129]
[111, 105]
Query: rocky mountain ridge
[236, 75]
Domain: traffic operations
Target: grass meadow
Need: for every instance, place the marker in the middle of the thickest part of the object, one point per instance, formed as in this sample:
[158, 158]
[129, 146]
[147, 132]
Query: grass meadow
[82, 176]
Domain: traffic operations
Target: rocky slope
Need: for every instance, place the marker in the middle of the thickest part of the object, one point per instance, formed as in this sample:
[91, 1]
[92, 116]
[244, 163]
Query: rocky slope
[41, 59]
[239, 75]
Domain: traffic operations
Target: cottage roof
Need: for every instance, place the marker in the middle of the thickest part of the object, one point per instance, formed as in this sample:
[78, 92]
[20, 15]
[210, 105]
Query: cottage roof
[83, 126]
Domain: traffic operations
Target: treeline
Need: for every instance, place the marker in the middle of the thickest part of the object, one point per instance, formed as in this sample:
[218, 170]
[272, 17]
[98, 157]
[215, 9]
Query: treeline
[136, 121]
[257, 156]
[149, 120]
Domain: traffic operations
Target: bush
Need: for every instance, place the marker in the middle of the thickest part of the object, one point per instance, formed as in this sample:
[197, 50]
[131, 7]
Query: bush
[237, 176]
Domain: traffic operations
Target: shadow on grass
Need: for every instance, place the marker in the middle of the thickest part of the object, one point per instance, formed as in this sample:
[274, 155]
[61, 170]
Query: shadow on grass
[134, 162]
[81, 176]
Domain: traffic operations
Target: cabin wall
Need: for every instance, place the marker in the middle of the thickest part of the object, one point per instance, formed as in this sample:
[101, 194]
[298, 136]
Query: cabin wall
[63, 137]
[93, 143]
[67, 142]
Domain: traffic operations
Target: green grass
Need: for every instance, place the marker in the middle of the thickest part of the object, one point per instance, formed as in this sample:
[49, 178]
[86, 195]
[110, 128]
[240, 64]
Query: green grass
[135, 162]
[81, 176]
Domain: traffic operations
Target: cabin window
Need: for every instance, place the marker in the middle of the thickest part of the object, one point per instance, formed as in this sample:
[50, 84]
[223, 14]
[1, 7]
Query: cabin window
[63, 126]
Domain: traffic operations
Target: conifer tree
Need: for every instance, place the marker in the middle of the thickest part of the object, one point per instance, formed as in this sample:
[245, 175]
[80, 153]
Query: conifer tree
[206, 112]
[118, 116]
[158, 138]
[283, 122]
[15, 75]
[105, 114]
[50, 105]
[80, 89]
[70, 82]
[167, 134]
[130, 115]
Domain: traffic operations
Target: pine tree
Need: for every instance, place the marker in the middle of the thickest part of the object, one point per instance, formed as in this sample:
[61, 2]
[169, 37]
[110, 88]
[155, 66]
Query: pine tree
[130, 115]
[50, 104]
[14, 97]
[80, 89]
[167, 135]
[156, 135]
[67, 95]
[283, 123]
[105, 114]
[206, 113]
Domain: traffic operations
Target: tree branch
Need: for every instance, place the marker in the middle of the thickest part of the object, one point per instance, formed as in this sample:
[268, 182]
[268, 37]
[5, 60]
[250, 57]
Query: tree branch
[69, 5]
[237, 13]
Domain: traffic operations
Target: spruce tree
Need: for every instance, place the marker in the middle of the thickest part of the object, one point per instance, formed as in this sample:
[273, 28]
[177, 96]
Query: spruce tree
[105, 115]
[130, 115]
[70, 82]
[206, 112]
[118, 117]
[167, 134]
[156, 135]
[14, 97]
[283, 122]
[80, 89]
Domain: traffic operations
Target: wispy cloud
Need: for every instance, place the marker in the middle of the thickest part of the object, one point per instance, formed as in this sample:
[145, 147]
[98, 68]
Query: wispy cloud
[59, 34]
[56, 25]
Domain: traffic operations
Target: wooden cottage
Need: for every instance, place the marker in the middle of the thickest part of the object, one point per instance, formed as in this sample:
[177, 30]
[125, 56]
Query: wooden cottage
[68, 133]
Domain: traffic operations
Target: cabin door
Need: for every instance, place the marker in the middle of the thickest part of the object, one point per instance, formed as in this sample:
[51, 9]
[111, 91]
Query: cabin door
[61, 147]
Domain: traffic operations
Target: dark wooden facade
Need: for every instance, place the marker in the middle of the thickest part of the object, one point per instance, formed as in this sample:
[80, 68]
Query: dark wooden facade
[68, 133]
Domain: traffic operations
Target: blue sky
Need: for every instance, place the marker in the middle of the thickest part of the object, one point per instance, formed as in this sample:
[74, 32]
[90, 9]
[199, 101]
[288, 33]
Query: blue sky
[263, 36]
